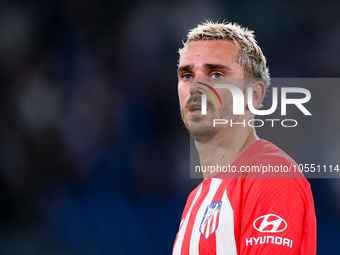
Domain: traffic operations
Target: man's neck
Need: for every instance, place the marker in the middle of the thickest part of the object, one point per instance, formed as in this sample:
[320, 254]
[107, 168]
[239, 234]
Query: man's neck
[224, 148]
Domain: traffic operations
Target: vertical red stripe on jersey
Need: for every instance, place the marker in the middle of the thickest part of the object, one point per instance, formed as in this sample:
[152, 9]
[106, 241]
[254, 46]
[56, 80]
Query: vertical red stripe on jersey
[186, 210]
[195, 208]
[216, 219]
[211, 224]
[205, 229]
[207, 247]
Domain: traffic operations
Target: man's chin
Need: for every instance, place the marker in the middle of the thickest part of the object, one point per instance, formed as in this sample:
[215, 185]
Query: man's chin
[196, 118]
[201, 132]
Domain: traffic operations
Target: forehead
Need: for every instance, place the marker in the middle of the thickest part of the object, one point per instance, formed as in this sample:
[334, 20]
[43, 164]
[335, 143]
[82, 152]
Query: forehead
[222, 51]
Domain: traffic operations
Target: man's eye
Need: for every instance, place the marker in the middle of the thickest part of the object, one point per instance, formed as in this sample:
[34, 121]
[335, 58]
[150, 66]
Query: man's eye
[187, 76]
[217, 75]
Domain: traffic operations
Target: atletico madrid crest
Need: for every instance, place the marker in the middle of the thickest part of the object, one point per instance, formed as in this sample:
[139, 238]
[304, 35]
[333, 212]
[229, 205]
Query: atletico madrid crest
[210, 219]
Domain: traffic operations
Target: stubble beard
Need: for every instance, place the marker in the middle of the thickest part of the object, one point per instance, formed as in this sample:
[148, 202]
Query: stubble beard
[201, 127]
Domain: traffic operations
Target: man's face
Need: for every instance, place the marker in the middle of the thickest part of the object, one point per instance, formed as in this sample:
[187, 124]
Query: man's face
[215, 60]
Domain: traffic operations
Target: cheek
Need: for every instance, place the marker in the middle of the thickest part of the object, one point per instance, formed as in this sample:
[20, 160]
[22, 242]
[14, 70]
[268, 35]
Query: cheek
[226, 97]
[183, 95]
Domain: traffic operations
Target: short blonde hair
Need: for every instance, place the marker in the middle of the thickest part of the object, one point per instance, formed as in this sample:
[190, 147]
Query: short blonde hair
[250, 57]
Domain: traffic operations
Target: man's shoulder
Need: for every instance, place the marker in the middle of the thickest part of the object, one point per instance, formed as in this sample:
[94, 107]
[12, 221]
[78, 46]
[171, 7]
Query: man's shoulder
[263, 151]
[264, 159]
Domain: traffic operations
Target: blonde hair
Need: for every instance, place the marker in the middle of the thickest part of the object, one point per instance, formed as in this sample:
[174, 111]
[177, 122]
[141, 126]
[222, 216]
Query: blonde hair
[250, 57]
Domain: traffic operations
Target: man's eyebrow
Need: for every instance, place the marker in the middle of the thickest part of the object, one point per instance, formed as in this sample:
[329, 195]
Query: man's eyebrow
[205, 65]
[215, 66]
[185, 68]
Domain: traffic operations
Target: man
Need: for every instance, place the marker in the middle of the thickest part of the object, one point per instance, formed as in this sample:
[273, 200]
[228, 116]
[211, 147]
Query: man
[236, 213]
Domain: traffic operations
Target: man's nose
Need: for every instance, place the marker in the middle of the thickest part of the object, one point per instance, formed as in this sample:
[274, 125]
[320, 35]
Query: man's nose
[200, 75]
[197, 83]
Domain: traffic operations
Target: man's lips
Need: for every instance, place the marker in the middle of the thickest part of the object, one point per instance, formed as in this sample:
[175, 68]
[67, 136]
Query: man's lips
[195, 106]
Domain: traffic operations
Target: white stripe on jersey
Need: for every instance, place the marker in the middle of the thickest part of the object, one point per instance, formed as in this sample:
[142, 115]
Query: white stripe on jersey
[214, 221]
[195, 235]
[225, 236]
[180, 237]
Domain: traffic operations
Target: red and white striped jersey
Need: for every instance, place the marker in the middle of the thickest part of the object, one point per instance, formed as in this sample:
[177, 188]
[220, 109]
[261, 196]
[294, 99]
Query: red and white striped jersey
[249, 215]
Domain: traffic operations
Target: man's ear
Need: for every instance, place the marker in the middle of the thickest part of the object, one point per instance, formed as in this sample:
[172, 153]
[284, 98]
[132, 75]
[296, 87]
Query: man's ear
[258, 92]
